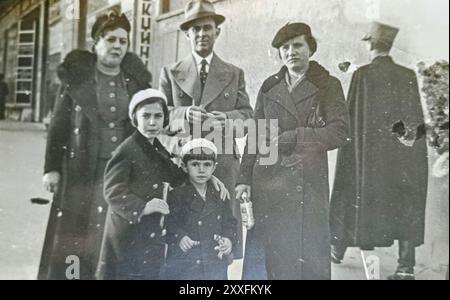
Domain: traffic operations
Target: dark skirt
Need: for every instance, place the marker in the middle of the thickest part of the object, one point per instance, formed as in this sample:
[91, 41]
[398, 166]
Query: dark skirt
[254, 259]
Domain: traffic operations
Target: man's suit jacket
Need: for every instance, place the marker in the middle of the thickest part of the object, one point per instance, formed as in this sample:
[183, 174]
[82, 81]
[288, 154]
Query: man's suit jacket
[224, 91]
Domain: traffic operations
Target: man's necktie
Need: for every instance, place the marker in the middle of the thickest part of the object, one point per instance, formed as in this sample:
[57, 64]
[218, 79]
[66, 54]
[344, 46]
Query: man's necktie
[203, 74]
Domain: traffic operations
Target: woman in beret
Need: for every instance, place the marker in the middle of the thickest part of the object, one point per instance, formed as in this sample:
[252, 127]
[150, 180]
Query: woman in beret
[290, 197]
[90, 119]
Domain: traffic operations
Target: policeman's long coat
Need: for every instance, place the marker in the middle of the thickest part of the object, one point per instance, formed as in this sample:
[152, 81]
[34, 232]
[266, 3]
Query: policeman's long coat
[72, 150]
[290, 197]
[380, 188]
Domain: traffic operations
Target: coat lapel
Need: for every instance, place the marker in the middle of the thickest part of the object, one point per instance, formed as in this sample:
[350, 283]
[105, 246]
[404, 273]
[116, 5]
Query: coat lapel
[197, 203]
[279, 93]
[219, 77]
[84, 94]
[204, 208]
[150, 150]
[304, 90]
[185, 74]
[212, 203]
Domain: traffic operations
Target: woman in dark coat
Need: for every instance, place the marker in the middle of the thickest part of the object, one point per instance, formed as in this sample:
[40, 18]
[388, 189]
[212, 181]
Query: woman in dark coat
[90, 120]
[290, 197]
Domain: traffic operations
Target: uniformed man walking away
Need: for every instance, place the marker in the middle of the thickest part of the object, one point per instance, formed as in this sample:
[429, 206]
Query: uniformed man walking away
[381, 178]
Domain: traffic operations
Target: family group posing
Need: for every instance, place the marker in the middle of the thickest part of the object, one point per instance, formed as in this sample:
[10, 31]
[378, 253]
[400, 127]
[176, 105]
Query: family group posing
[137, 198]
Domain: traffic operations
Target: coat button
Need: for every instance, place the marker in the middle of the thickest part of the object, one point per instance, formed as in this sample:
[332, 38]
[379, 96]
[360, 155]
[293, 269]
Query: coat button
[76, 131]
[219, 217]
[198, 261]
[112, 83]
[72, 154]
[77, 108]
[200, 223]
[113, 109]
[112, 125]
[227, 95]
[163, 232]
[114, 139]
[112, 95]
[152, 235]
[155, 186]
[299, 188]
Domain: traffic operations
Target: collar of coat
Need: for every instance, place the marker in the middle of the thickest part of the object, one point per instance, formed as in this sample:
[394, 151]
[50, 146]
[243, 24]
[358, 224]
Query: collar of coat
[186, 76]
[79, 67]
[383, 59]
[77, 73]
[315, 74]
[276, 89]
[196, 202]
[152, 151]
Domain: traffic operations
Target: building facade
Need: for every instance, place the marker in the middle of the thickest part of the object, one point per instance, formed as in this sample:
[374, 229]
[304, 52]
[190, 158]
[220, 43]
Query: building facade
[35, 36]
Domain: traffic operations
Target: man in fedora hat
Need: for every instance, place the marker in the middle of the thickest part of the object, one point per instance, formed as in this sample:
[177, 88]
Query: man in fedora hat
[203, 88]
[381, 177]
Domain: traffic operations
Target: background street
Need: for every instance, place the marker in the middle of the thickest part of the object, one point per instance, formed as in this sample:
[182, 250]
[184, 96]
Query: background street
[22, 224]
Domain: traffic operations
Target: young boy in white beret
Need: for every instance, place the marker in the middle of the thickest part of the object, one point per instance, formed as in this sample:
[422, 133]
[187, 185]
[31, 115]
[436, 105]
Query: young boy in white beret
[134, 241]
[201, 227]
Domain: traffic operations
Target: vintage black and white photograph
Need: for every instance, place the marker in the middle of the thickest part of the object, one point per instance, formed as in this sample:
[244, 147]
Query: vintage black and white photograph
[213, 140]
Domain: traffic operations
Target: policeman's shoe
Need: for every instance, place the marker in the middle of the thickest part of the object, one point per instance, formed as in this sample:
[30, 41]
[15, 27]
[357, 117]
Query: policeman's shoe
[336, 257]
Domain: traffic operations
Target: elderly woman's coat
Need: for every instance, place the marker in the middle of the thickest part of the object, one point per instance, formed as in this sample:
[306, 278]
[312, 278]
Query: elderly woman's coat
[72, 150]
[290, 197]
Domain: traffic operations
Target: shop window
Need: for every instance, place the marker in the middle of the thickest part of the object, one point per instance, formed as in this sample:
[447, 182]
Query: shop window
[25, 62]
[27, 24]
[25, 59]
[23, 97]
[26, 37]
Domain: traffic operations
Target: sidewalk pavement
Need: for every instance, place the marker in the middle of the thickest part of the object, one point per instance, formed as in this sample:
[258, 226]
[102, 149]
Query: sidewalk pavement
[8, 125]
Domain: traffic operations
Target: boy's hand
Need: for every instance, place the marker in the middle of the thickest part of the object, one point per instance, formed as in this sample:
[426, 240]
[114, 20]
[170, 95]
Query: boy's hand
[220, 187]
[156, 206]
[225, 246]
[187, 244]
